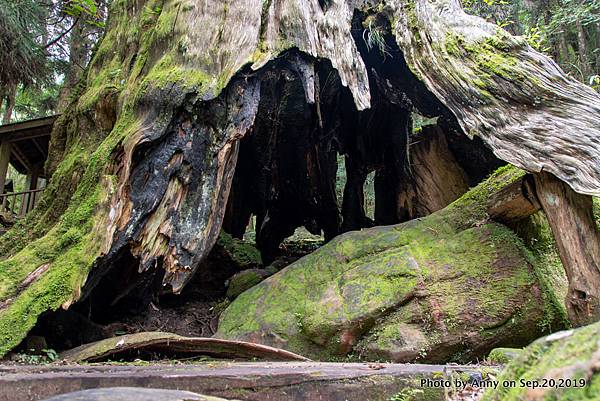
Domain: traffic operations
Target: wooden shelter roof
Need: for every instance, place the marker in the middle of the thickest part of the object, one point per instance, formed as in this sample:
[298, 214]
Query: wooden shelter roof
[30, 141]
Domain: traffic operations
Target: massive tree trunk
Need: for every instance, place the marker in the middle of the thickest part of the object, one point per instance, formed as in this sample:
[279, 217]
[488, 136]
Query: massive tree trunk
[143, 163]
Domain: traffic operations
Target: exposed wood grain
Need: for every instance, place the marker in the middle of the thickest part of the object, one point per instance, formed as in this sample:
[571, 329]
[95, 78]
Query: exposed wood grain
[436, 177]
[514, 202]
[517, 100]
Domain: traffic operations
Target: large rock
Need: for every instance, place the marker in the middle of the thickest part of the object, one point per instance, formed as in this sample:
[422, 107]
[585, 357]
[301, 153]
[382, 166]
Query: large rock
[448, 287]
[561, 366]
[245, 280]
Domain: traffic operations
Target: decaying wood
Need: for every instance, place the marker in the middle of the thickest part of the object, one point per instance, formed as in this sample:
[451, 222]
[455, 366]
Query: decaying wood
[173, 344]
[517, 100]
[578, 239]
[571, 219]
[256, 381]
[514, 202]
[436, 177]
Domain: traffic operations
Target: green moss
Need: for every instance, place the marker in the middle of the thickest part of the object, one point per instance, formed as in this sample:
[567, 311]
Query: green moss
[361, 277]
[413, 21]
[503, 356]
[243, 254]
[69, 249]
[570, 355]
[243, 281]
[453, 46]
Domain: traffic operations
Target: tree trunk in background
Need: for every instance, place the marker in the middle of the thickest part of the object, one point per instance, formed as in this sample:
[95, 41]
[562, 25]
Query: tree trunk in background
[597, 48]
[436, 177]
[78, 55]
[582, 41]
[572, 221]
[2, 95]
[11, 95]
[563, 50]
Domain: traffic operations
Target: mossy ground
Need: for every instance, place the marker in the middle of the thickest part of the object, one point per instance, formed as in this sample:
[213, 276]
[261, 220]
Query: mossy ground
[575, 356]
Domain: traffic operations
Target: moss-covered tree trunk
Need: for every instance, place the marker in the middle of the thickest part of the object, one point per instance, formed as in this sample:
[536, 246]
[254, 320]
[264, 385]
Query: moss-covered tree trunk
[142, 162]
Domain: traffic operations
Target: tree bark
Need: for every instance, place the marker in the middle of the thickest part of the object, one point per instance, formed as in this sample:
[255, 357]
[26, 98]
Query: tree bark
[490, 72]
[436, 178]
[582, 41]
[572, 221]
[11, 94]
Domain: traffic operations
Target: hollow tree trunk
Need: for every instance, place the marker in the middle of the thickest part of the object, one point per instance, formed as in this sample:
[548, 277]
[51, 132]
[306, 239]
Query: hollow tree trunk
[142, 163]
[572, 221]
[436, 177]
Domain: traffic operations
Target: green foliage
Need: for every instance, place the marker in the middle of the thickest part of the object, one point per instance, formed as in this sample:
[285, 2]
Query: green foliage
[47, 356]
[86, 9]
[33, 102]
[23, 56]
[374, 35]
[556, 27]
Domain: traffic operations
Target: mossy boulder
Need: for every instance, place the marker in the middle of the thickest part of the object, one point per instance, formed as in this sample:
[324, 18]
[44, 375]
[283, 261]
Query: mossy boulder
[245, 280]
[451, 286]
[243, 254]
[563, 366]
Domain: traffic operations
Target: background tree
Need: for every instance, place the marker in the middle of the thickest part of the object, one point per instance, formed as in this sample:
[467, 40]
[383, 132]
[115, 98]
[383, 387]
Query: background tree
[44, 45]
[569, 30]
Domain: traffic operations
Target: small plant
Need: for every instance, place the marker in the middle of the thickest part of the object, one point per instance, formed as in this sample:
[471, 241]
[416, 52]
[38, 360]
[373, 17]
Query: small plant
[407, 394]
[595, 82]
[374, 36]
[47, 356]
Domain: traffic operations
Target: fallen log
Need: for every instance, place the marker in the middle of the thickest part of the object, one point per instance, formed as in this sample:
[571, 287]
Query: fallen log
[571, 218]
[173, 344]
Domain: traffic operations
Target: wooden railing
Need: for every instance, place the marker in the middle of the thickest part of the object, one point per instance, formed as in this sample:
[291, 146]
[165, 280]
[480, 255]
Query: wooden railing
[20, 203]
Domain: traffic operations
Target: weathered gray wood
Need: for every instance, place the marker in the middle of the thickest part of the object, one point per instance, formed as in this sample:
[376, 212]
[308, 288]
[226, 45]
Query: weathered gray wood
[578, 239]
[517, 100]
